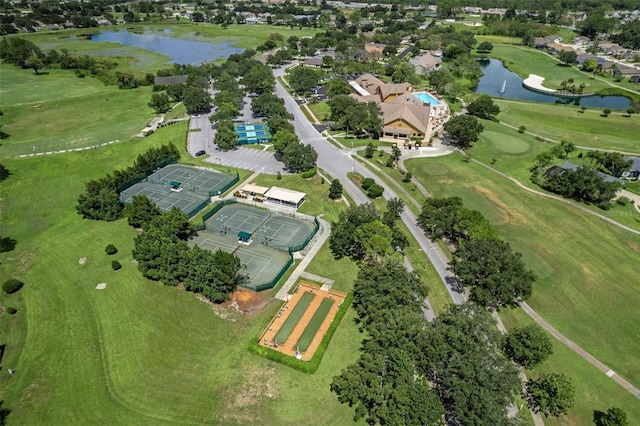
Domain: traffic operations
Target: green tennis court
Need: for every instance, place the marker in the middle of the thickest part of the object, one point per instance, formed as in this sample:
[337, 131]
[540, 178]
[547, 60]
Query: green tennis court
[266, 228]
[165, 198]
[294, 317]
[314, 325]
[262, 264]
[197, 180]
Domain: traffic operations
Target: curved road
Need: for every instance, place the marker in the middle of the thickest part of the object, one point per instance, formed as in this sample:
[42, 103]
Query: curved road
[338, 163]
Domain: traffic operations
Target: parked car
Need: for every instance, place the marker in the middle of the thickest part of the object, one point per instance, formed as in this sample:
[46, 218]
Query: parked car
[200, 153]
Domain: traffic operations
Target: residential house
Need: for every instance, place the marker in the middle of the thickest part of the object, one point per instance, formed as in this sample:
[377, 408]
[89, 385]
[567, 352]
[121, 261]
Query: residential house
[375, 50]
[315, 61]
[425, 63]
[634, 171]
[571, 166]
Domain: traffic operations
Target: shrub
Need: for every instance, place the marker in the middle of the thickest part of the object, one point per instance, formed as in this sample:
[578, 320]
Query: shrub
[12, 285]
[278, 175]
[11, 310]
[367, 183]
[375, 191]
[309, 173]
[623, 201]
[407, 177]
[522, 129]
[111, 249]
[115, 265]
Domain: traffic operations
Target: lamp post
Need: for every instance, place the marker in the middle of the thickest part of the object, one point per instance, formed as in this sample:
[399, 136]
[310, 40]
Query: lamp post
[222, 219]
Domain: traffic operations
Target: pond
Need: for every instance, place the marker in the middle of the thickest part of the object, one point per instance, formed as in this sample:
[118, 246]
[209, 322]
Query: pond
[499, 82]
[179, 50]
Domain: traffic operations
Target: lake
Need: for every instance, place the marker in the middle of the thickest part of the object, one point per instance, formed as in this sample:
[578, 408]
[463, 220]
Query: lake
[496, 76]
[179, 50]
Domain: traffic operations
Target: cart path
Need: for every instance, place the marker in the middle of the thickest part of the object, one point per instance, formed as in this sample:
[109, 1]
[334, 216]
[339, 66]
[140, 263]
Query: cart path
[581, 352]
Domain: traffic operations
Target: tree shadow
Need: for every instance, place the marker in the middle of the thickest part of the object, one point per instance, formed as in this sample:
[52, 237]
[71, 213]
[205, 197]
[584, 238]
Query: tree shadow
[597, 417]
[4, 172]
[4, 413]
[7, 244]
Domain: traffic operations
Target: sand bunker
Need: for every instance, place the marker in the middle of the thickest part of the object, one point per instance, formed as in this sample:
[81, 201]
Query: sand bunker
[101, 286]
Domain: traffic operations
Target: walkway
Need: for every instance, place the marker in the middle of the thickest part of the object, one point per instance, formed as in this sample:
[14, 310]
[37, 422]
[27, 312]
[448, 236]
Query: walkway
[577, 349]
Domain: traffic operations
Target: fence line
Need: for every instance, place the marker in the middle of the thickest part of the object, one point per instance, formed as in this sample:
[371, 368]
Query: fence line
[146, 174]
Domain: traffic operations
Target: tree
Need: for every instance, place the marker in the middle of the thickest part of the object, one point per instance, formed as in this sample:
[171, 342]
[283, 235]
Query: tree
[343, 241]
[606, 112]
[282, 139]
[528, 346]
[568, 57]
[463, 130]
[141, 211]
[439, 79]
[395, 207]
[613, 417]
[298, 157]
[496, 275]
[226, 137]
[615, 163]
[160, 102]
[375, 191]
[302, 79]
[115, 265]
[17, 51]
[589, 65]
[551, 394]
[34, 61]
[110, 249]
[567, 148]
[259, 79]
[483, 107]
[338, 86]
[369, 150]
[196, 100]
[335, 189]
[485, 47]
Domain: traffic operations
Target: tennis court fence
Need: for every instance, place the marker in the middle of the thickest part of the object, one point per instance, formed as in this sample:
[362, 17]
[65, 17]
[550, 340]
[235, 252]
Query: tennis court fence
[146, 174]
[272, 283]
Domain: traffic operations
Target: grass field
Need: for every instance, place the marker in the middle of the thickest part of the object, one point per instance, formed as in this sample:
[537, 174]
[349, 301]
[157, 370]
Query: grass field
[525, 60]
[563, 122]
[321, 110]
[587, 283]
[137, 352]
[41, 115]
[594, 391]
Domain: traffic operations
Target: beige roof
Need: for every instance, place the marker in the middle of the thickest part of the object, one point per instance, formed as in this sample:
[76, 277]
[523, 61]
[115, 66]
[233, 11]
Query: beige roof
[394, 89]
[369, 82]
[415, 115]
[374, 47]
[285, 194]
[426, 61]
[256, 189]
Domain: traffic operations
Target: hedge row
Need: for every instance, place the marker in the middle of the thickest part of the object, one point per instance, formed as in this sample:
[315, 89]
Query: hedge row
[308, 367]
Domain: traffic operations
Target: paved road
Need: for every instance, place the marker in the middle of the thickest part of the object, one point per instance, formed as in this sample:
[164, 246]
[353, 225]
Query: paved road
[338, 163]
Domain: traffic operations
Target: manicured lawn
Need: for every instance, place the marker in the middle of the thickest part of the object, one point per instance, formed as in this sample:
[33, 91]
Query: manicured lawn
[526, 60]
[137, 352]
[496, 39]
[587, 283]
[563, 122]
[89, 113]
[594, 390]
[321, 110]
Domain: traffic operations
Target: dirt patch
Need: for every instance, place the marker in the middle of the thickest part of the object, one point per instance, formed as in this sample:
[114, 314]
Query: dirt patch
[82, 260]
[223, 310]
[248, 302]
[254, 385]
[504, 214]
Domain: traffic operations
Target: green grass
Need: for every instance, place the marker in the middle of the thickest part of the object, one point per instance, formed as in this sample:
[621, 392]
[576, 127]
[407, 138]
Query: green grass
[294, 317]
[594, 390]
[587, 283]
[563, 122]
[496, 39]
[89, 113]
[525, 60]
[321, 110]
[314, 324]
[137, 352]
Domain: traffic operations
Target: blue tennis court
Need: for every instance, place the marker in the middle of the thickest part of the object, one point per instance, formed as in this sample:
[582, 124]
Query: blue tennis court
[253, 133]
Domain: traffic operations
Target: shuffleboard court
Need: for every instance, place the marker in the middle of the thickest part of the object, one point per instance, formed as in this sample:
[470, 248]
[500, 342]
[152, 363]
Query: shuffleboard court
[290, 323]
[262, 264]
[267, 228]
[314, 325]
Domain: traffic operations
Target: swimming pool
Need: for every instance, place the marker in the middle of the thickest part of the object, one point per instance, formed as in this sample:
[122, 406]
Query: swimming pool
[426, 98]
